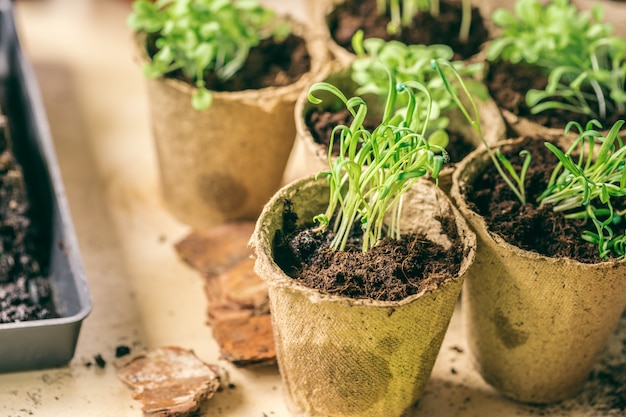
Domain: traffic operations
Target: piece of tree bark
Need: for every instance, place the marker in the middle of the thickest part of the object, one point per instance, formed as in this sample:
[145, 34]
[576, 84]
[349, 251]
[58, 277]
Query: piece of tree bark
[216, 250]
[169, 381]
[238, 304]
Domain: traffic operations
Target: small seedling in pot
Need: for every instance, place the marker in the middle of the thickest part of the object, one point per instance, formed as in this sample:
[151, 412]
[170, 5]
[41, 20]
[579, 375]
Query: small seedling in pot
[589, 178]
[584, 62]
[374, 169]
[202, 36]
[375, 56]
[403, 11]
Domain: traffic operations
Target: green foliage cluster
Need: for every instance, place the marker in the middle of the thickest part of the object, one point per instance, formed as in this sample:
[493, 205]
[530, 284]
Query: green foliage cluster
[374, 169]
[585, 63]
[202, 36]
[374, 57]
[589, 178]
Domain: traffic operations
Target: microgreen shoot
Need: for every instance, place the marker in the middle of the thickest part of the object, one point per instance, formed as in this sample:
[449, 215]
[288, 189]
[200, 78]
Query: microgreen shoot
[515, 180]
[590, 175]
[401, 14]
[585, 64]
[202, 36]
[374, 169]
[375, 56]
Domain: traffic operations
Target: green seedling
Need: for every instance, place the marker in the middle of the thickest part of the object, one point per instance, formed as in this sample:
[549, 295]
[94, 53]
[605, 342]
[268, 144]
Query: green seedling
[202, 36]
[504, 167]
[584, 62]
[588, 179]
[374, 169]
[375, 56]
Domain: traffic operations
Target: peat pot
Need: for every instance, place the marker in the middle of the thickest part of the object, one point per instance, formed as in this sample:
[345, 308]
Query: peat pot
[340, 356]
[535, 325]
[223, 163]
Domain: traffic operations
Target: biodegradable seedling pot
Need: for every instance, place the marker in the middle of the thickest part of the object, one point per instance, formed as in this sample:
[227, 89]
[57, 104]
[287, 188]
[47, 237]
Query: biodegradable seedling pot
[340, 356]
[534, 324]
[314, 155]
[225, 162]
[49, 342]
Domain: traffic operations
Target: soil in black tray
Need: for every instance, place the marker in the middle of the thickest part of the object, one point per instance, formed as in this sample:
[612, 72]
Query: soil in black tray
[270, 64]
[527, 226]
[425, 29]
[321, 123]
[390, 271]
[25, 292]
[508, 84]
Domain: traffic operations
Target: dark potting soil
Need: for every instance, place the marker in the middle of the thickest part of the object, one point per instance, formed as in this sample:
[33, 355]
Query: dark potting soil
[321, 123]
[270, 64]
[508, 84]
[425, 29]
[390, 271]
[25, 292]
[530, 227]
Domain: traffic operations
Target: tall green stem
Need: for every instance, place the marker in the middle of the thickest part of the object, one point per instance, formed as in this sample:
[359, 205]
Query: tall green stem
[466, 21]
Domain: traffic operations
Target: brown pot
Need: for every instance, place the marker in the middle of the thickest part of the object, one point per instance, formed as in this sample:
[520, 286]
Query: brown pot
[340, 356]
[534, 325]
[223, 163]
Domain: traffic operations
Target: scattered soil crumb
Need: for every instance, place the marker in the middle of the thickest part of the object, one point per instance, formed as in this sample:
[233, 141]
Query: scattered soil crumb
[100, 362]
[122, 350]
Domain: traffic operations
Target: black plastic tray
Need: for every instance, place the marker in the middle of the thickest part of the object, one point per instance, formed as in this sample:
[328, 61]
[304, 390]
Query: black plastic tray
[50, 342]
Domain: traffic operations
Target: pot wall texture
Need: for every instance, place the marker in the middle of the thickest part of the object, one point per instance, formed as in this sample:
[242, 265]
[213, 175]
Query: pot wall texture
[534, 325]
[346, 357]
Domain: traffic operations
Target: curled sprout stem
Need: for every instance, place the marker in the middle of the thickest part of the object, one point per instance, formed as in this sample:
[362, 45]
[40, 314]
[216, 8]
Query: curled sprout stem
[506, 170]
[373, 170]
[589, 176]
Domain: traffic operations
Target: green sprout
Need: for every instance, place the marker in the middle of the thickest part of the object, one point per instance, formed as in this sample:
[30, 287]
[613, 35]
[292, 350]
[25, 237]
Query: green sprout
[202, 36]
[374, 169]
[402, 12]
[516, 181]
[375, 56]
[589, 177]
[585, 64]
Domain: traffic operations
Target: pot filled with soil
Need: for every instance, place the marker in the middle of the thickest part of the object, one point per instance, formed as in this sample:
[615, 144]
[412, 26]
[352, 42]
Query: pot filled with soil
[552, 63]
[367, 76]
[364, 265]
[222, 119]
[548, 285]
[456, 24]
[43, 290]
[343, 350]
